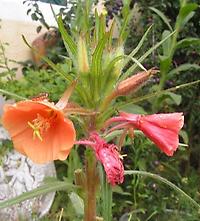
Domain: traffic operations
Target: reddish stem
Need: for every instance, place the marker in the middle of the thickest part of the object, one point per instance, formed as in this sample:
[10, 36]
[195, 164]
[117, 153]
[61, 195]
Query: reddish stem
[90, 189]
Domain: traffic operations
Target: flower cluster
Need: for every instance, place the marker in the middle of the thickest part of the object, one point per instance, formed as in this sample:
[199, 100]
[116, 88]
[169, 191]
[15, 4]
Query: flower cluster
[40, 130]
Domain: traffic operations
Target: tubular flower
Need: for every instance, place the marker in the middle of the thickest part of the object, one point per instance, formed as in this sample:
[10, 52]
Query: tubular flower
[39, 130]
[162, 129]
[108, 155]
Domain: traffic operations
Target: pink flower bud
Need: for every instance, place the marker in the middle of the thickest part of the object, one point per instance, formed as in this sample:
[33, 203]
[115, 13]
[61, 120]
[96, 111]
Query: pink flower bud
[108, 155]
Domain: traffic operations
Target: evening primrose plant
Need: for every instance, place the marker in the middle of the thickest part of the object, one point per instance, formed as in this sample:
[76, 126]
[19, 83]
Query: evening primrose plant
[89, 113]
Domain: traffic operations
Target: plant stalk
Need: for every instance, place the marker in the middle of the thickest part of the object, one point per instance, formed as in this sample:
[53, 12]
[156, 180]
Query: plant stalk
[90, 188]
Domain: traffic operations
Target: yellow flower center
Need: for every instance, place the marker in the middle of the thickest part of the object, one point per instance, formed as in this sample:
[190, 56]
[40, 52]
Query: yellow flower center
[41, 124]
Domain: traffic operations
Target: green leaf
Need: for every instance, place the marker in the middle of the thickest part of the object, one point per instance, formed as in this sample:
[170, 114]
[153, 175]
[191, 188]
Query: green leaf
[138, 63]
[185, 21]
[165, 181]
[184, 135]
[162, 16]
[186, 13]
[68, 41]
[106, 196]
[51, 186]
[167, 44]
[97, 56]
[133, 108]
[77, 203]
[187, 42]
[144, 56]
[169, 98]
[140, 43]
[175, 97]
[128, 58]
[122, 34]
[112, 63]
[183, 67]
[165, 63]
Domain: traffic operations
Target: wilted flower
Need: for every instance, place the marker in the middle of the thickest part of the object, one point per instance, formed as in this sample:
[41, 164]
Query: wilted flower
[39, 130]
[108, 155]
[162, 129]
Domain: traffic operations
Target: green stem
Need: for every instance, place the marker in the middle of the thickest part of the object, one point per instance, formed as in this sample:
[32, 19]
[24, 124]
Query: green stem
[106, 197]
[167, 182]
[12, 94]
[154, 94]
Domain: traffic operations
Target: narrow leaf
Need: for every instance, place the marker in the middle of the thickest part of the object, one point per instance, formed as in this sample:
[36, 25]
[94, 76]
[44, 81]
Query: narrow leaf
[187, 42]
[165, 181]
[77, 203]
[183, 67]
[141, 42]
[162, 16]
[186, 13]
[145, 55]
[97, 55]
[167, 45]
[68, 41]
[124, 25]
[49, 62]
[44, 189]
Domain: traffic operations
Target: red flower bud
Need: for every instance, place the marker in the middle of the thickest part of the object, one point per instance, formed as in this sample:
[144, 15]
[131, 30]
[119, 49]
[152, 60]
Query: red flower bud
[108, 155]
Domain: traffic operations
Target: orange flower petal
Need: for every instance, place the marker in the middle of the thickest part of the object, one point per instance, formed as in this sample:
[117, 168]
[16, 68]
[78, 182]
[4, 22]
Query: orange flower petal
[56, 141]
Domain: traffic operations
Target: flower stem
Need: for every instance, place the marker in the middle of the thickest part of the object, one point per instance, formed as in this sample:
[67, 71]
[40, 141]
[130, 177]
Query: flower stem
[12, 94]
[90, 187]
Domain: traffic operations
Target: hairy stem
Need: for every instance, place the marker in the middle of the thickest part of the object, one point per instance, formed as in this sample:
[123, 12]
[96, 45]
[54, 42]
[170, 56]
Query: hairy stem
[90, 188]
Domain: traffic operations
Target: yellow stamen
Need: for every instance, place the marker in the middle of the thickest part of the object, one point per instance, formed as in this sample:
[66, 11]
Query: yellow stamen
[40, 125]
[36, 131]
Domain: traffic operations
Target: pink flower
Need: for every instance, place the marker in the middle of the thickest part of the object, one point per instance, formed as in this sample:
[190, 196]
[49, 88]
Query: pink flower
[162, 129]
[108, 155]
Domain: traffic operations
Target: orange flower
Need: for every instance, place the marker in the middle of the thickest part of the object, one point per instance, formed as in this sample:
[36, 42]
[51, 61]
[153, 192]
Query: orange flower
[39, 130]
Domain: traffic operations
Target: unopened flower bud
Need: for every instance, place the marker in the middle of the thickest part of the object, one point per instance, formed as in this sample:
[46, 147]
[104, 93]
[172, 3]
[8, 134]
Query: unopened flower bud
[82, 56]
[108, 155]
[133, 83]
[129, 85]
